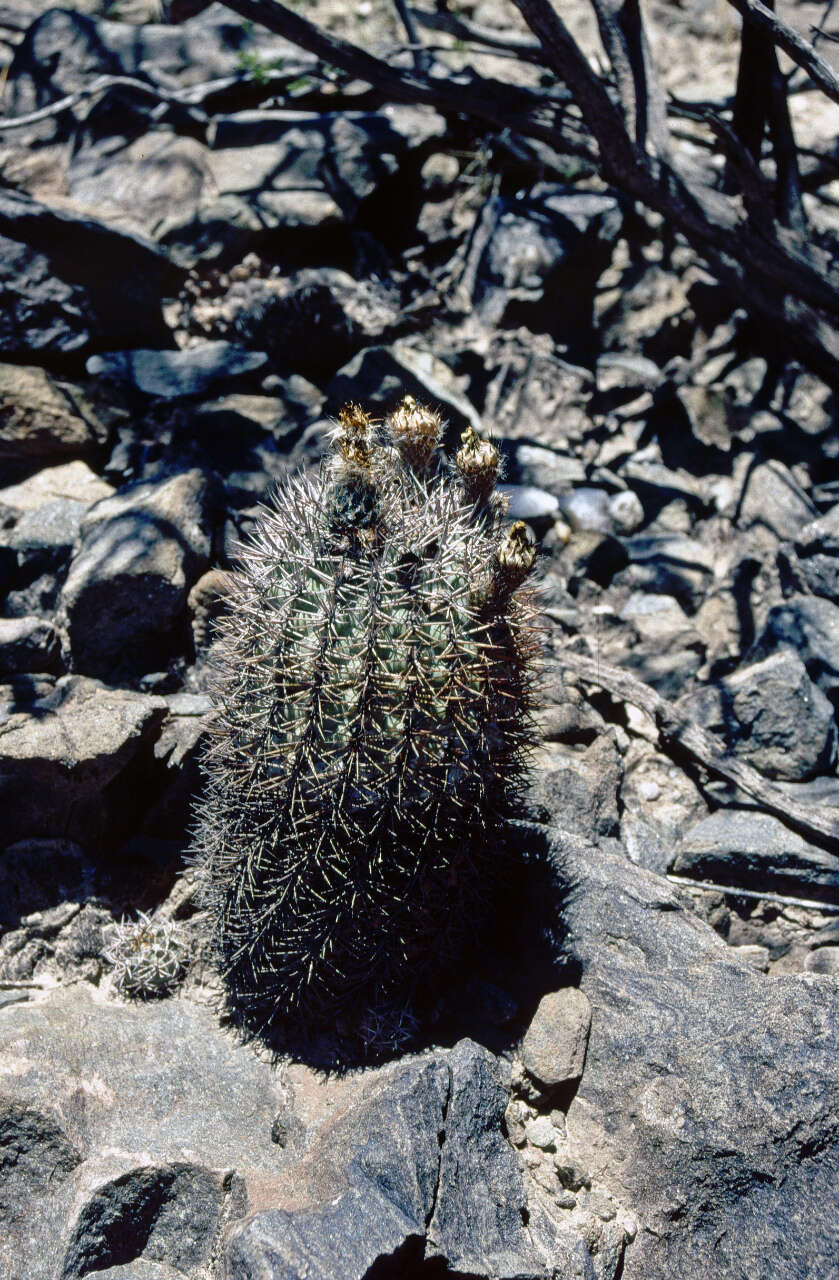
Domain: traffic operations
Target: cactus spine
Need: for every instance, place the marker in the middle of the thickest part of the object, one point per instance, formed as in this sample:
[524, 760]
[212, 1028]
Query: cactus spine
[373, 688]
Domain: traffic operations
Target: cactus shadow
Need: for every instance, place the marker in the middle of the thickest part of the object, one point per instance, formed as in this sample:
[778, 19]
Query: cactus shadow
[487, 992]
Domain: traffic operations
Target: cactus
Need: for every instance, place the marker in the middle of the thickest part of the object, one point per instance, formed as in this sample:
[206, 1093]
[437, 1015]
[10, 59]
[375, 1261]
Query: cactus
[373, 676]
[149, 957]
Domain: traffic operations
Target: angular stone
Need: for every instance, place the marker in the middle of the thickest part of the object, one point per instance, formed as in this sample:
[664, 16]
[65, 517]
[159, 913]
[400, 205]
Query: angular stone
[72, 763]
[28, 644]
[553, 1050]
[810, 626]
[774, 499]
[175, 375]
[741, 849]
[708, 1101]
[69, 482]
[42, 417]
[125, 594]
[772, 715]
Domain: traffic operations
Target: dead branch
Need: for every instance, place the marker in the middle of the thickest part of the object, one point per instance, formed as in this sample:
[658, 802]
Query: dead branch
[676, 731]
[794, 45]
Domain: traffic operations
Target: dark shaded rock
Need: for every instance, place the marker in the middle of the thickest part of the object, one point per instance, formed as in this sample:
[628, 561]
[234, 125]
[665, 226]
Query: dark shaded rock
[57, 278]
[771, 714]
[593, 557]
[29, 644]
[756, 851]
[73, 761]
[810, 626]
[417, 1169]
[529, 249]
[669, 564]
[379, 377]
[174, 375]
[316, 320]
[581, 786]
[125, 595]
[36, 875]
[709, 1098]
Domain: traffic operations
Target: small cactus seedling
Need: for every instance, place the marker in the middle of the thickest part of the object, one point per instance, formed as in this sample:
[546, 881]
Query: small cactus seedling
[149, 957]
[373, 690]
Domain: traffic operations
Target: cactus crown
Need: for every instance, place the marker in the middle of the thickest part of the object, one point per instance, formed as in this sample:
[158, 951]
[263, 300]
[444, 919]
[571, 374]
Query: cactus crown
[373, 688]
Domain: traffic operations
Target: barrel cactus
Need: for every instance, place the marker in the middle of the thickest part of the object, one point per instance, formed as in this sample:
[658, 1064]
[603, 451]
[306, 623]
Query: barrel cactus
[373, 686]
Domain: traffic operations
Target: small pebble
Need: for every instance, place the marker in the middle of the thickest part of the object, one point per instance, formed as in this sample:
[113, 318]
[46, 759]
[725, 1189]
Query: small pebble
[541, 1133]
[565, 1200]
[649, 790]
[626, 511]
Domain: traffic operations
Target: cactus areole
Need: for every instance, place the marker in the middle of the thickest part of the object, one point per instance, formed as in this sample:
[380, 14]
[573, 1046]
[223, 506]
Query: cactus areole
[374, 666]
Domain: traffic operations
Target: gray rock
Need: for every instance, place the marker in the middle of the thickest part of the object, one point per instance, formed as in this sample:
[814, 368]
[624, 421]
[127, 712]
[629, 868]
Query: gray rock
[823, 960]
[57, 274]
[126, 592]
[131, 1119]
[418, 1168]
[772, 715]
[316, 320]
[580, 786]
[708, 1101]
[28, 644]
[174, 375]
[593, 557]
[587, 509]
[669, 564]
[529, 503]
[47, 533]
[774, 499]
[531, 247]
[626, 510]
[72, 763]
[553, 1051]
[626, 371]
[810, 626]
[755, 851]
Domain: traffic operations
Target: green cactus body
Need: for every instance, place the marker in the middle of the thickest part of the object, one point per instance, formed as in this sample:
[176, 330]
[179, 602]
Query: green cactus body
[374, 667]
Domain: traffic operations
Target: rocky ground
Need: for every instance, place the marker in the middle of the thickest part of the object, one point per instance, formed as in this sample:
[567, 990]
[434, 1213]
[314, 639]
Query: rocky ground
[191, 286]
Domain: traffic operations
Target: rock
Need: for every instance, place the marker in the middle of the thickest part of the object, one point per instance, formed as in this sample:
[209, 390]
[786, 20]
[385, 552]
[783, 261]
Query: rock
[72, 481]
[529, 503]
[587, 510]
[772, 715]
[593, 557]
[546, 468]
[316, 320]
[418, 1168]
[57, 277]
[669, 564]
[773, 499]
[579, 785]
[379, 377]
[709, 1093]
[117, 1160]
[625, 371]
[36, 875]
[42, 417]
[175, 375]
[810, 626]
[73, 762]
[626, 510]
[531, 248]
[540, 1133]
[125, 595]
[823, 960]
[708, 415]
[28, 644]
[740, 849]
[553, 1051]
